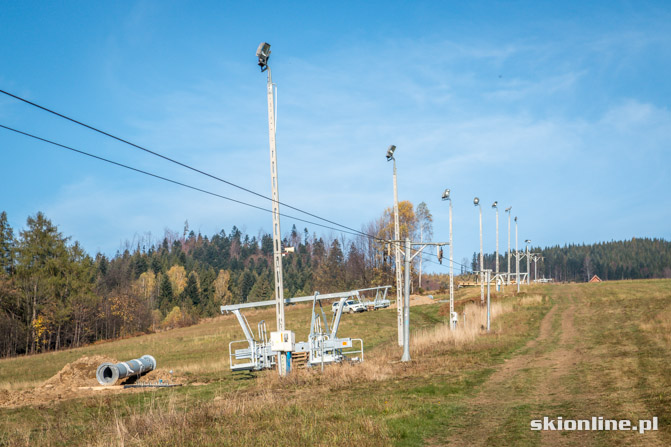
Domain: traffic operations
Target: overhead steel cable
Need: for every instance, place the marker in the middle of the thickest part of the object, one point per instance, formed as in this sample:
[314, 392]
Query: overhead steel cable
[184, 165]
[195, 188]
[340, 230]
[351, 231]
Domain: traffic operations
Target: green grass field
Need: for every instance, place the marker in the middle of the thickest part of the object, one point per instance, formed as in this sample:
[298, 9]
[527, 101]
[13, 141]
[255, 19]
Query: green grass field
[575, 350]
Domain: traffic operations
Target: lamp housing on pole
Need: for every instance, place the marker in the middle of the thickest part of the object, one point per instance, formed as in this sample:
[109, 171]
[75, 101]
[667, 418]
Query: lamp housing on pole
[263, 53]
[390, 152]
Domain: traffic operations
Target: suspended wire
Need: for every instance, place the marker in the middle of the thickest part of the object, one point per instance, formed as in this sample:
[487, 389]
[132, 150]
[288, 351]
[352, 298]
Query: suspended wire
[170, 180]
[184, 165]
[351, 231]
[356, 233]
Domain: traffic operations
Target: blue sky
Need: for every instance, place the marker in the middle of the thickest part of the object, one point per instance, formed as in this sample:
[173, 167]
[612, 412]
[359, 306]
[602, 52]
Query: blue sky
[560, 109]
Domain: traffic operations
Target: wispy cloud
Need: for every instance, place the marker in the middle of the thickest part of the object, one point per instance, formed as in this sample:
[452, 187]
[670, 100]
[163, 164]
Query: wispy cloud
[532, 123]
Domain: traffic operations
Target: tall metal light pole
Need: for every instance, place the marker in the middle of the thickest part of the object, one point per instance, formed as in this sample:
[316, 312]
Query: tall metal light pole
[397, 255]
[495, 205]
[263, 53]
[476, 202]
[508, 211]
[528, 241]
[446, 196]
[517, 259]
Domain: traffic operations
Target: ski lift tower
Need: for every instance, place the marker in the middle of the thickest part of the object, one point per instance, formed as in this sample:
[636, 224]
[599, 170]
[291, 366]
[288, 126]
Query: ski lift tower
[536, 257]
[508, 277]
[406, 308]
[495, 205]
[476, 202]
[281, 340]
[528, 241]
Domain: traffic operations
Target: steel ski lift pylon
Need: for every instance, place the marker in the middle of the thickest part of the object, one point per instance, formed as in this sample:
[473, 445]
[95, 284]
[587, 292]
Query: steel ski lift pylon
[323, 346]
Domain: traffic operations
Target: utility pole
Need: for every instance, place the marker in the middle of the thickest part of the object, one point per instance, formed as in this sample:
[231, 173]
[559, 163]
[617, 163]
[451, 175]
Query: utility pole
[528, 241]
[263, 53]
[397, 238]
[495, 205]
[421, 239]
[536, 257]
[489, 307]
[406, 307]
[476, 202]
[508, 211]
[517, 259]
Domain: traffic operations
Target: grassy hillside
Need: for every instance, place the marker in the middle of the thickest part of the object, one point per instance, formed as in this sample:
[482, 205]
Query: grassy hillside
[555, 350]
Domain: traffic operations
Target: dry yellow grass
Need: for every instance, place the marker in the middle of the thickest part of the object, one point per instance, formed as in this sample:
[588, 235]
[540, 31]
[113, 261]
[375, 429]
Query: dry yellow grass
[468, 328]
[304, 389]
[466, 332]
[530, 300]
[383, 401]
[659, 326]
[20, 385]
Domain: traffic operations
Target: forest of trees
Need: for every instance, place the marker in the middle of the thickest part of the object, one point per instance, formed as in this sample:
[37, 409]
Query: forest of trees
[54, 295]
[638, 258]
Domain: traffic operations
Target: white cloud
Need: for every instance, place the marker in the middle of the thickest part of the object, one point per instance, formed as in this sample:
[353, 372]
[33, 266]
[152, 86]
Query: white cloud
[519, 139]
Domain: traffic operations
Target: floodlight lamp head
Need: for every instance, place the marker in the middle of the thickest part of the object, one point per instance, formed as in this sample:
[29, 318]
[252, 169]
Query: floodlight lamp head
[476, 201]
[515, 219]
[263, 53]
[495, 204]
[390, 152]
[446, 194]
[528, 241]
[508, 209]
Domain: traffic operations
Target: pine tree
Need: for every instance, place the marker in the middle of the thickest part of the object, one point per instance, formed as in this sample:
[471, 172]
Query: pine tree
[191, 291]
[6, 245]
[246, 284]
[165, 294]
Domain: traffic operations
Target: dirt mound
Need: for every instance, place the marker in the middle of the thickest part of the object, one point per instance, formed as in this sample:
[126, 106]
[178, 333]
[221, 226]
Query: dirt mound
[81, 372]
[160, 375]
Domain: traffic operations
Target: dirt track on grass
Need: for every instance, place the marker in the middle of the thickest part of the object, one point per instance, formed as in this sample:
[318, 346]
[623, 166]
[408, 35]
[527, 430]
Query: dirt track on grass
[537, 381]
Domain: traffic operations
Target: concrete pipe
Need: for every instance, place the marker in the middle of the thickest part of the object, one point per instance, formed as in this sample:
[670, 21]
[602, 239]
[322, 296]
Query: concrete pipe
[109, 373]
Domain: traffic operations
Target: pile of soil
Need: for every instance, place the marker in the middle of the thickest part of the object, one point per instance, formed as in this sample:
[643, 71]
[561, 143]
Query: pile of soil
[160, 375]
[81, 372]
[78, 379]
